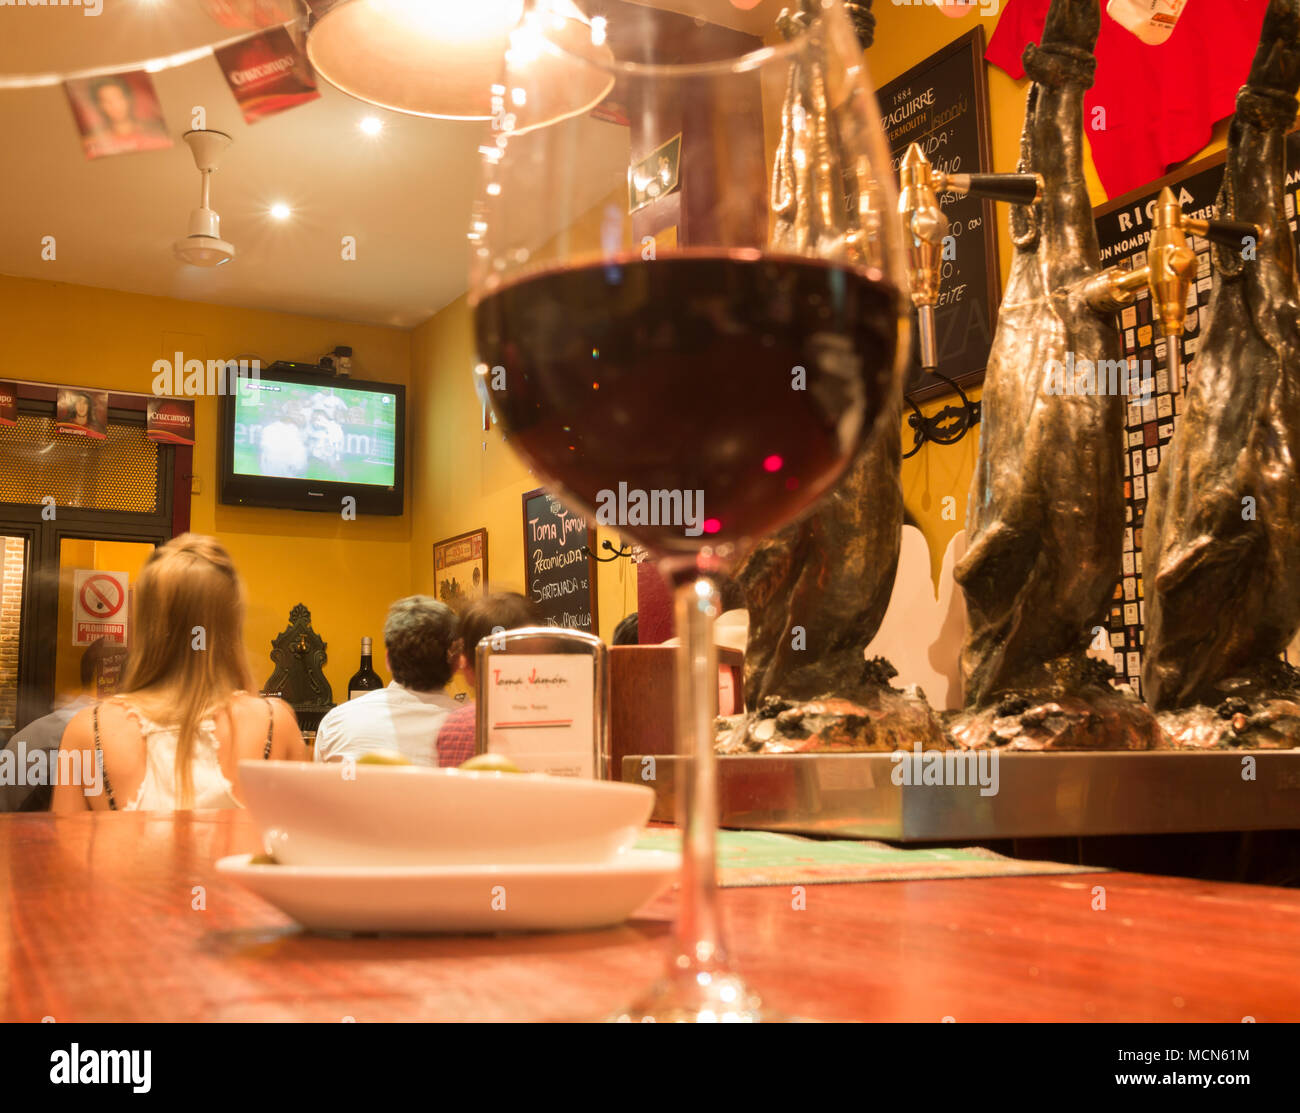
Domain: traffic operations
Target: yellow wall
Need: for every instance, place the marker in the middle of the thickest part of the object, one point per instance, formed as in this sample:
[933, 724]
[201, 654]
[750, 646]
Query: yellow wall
[346, 572]
[906, 35]
[476, 478]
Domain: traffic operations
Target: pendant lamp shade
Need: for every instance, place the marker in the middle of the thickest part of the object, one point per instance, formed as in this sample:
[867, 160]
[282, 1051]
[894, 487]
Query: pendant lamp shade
[443, 58]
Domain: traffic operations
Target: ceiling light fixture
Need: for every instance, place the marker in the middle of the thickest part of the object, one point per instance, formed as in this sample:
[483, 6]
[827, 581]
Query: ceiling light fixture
[280, 211]
[371, 125]
[441, 60]
[204, 247]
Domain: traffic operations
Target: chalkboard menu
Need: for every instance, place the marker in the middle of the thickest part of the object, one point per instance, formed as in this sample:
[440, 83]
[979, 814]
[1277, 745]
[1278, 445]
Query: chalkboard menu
[1123, 228]
[942, 104]
[559, 568]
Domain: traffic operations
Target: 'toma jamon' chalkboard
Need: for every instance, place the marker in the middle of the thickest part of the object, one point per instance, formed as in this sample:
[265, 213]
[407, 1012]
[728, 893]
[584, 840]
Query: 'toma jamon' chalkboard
[559, 562]
[942, 104]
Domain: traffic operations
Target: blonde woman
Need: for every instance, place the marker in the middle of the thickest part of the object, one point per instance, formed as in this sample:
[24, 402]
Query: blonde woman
[173, 737]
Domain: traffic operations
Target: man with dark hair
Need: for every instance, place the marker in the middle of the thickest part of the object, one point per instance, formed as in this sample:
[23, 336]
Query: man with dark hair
[625, 633]
[422, 647]
[488, 615]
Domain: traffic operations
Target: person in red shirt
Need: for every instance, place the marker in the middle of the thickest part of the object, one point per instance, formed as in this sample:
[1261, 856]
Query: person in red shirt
[1152, 105]
[485, 616]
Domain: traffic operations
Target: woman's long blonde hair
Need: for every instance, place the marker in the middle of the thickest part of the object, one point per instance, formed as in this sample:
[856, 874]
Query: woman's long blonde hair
[187, 639]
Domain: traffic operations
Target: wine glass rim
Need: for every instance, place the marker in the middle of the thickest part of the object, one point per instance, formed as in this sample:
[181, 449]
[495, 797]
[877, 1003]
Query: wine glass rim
[739, 63]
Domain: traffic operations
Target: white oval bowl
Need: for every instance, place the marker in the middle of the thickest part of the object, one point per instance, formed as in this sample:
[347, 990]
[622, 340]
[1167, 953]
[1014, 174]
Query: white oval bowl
[337, 814]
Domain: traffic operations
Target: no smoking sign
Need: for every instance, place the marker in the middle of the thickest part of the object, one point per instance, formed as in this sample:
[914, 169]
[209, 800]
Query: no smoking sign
[99, 606]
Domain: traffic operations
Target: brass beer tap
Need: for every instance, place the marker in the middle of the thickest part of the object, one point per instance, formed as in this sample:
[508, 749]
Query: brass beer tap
[925, 227]
[924, 230]
[1169, 271]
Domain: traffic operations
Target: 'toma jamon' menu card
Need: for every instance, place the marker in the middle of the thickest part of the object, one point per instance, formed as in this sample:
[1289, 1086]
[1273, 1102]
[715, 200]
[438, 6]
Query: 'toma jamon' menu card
[541, 711]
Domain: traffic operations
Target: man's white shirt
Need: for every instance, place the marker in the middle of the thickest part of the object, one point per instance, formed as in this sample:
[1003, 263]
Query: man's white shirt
[392, 718]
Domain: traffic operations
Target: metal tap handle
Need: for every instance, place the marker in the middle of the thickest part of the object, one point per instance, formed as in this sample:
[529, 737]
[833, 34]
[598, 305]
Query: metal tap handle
[1015, 189]
[1226, 233]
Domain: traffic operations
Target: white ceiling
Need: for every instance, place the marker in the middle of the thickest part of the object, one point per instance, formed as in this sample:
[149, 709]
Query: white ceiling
[405, 194]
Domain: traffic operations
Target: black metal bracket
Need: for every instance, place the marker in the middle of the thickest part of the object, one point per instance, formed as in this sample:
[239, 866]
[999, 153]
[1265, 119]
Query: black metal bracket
[947, 426]
[621, 551]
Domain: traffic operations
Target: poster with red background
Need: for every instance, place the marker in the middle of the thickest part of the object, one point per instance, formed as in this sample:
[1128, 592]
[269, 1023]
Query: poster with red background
[267, 73]
[170, 420]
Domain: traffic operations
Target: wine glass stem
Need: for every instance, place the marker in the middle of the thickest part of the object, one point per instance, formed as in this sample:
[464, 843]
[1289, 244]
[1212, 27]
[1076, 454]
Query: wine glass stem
[699, 930]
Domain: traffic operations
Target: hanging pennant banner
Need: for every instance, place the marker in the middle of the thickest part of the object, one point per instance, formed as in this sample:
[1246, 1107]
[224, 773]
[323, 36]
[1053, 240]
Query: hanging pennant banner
[251, 13]
[8, 404]
[170, 420]
[117, 114]
[83, 412]
[267, 74]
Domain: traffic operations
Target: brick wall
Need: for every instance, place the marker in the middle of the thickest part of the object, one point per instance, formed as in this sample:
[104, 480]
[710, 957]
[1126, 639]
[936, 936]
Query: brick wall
[11, 596]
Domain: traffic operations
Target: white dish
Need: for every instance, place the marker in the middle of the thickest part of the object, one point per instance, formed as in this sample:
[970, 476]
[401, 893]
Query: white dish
[342, 814]
[460, 899]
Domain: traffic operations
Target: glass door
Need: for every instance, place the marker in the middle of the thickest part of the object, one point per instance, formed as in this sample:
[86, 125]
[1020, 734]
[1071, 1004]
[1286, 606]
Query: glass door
[14, 557]
[92, 634]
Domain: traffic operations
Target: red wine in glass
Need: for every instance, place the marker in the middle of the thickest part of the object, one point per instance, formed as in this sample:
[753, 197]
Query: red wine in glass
[724, 392]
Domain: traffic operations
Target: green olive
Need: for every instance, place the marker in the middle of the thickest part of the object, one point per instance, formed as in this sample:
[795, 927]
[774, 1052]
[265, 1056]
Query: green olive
[490, 763]
[384, 757]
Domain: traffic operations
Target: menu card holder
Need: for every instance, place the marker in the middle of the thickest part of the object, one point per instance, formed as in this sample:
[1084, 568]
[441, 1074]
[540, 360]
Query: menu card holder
[543, 695]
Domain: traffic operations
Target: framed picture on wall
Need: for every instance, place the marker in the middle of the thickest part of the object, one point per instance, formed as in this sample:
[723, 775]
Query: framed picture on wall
[460, 567]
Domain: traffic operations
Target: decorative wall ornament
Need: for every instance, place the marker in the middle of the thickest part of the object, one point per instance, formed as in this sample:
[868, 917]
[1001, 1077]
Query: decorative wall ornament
[299, 677]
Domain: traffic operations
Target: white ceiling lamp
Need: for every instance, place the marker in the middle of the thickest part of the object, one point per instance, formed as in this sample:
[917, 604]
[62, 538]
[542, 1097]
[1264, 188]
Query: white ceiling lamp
[204, 247]
[442, 59]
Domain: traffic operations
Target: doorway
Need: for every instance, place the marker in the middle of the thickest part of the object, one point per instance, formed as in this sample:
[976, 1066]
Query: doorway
[77, 522]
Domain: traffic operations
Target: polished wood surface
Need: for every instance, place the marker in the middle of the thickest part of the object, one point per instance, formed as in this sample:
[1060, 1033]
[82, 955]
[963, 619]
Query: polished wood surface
[123, 917]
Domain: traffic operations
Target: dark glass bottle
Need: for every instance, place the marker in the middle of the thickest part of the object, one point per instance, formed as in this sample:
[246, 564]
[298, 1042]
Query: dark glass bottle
[365, 679]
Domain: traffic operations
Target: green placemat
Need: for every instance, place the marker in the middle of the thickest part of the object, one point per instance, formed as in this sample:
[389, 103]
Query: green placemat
[769, 858]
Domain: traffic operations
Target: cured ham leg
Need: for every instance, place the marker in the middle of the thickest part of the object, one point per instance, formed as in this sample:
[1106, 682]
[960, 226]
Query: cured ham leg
[1046, 514]
[1221, 543]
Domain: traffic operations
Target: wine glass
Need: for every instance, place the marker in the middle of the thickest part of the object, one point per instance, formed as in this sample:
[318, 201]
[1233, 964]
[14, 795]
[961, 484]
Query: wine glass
[684, 284]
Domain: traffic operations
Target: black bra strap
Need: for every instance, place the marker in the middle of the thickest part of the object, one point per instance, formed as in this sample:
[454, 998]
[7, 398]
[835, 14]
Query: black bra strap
[270, 728]
[99, 759]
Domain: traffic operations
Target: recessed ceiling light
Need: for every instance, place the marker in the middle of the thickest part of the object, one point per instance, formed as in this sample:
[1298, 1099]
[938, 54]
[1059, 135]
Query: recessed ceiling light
[372, 125]
[280, 211]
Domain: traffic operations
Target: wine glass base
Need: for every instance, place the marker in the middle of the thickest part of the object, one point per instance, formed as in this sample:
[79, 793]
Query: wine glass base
[699, 997]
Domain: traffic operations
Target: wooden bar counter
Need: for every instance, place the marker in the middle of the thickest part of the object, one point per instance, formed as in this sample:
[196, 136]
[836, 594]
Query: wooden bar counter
[123, 917]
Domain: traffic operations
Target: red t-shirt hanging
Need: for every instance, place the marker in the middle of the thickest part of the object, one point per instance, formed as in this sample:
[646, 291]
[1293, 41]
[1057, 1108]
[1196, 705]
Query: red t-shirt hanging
[1160, 102]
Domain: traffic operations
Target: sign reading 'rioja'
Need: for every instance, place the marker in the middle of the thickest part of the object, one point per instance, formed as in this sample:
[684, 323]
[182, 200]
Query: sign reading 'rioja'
[942, 104]
[559, 568]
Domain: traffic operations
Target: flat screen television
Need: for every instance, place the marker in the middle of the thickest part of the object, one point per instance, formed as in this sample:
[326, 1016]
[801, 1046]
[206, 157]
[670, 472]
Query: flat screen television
[307, 442]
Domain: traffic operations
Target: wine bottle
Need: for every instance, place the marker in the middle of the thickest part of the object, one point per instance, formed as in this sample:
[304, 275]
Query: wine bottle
[365, 679]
